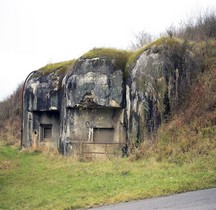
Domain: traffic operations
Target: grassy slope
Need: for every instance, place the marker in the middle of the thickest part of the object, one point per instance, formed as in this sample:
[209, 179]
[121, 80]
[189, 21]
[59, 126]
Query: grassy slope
[42, 181]
[192, 131]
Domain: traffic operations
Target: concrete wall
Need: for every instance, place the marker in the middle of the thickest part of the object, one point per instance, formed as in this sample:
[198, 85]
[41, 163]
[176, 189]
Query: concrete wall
[35, 125]
[81, 121]
[100, 126]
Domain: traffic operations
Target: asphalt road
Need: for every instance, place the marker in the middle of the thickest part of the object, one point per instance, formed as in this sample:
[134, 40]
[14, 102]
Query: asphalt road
[202, 199]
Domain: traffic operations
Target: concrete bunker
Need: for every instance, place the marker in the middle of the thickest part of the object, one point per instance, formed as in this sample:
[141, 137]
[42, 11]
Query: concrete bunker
[103, 100]
[79, 111]
[41, 110]
[93, 109]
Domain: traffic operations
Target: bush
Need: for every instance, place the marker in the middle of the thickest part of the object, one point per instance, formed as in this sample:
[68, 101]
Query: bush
[202, 27]
[11, 117]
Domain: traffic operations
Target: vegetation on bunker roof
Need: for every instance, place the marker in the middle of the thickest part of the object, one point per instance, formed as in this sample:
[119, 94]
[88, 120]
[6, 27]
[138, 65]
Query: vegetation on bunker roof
[58, 68]
[159, 43]
[120, 56]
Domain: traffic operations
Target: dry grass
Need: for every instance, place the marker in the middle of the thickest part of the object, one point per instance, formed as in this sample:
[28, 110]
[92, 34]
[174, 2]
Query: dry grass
[191, 131]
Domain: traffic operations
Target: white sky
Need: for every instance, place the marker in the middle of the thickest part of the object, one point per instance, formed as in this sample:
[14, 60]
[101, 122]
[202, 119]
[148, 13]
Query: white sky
[34, 33]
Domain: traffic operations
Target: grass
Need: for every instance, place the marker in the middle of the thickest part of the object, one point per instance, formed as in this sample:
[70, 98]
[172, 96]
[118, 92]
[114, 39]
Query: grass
[32, 180]
[60, 68]
[163, 41]
[120, 56]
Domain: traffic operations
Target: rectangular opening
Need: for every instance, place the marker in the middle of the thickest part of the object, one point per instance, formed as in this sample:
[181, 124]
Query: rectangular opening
[46, 132]
[103, 135]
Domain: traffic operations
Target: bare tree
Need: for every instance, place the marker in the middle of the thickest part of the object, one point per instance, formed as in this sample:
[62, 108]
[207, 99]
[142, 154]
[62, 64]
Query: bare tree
[171, 31]
[197, 28]
[141, 39]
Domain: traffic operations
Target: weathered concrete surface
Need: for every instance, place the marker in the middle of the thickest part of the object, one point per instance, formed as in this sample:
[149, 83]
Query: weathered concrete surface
[93, 109]
[43, 92]
[41, 107]
[41, 119]
[95, 82]
[157, 84]
[143, 95]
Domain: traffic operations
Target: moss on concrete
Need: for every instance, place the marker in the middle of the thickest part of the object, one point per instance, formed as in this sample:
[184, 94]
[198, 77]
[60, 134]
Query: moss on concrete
[124, 60]
[159, 43]
[120, 56]
[58, 68]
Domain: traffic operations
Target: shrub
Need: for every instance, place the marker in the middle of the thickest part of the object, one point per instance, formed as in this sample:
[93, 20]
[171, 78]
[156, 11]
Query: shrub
[196, 28]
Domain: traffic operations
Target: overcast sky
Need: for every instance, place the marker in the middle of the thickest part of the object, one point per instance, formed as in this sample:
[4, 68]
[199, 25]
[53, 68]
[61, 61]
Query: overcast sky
[34, 33]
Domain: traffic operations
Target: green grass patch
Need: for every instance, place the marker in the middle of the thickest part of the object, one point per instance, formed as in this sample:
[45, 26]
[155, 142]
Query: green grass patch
[31, 180]
[164, 41]
[120, 57]
[59, 68]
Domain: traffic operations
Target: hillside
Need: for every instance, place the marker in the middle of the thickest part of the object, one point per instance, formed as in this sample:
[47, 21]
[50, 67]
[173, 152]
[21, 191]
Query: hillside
[193, 99]
[174, 152]
[174, 81]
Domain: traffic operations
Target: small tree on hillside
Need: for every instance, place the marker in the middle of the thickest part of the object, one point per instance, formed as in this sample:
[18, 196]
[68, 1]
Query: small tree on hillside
[141, 39]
